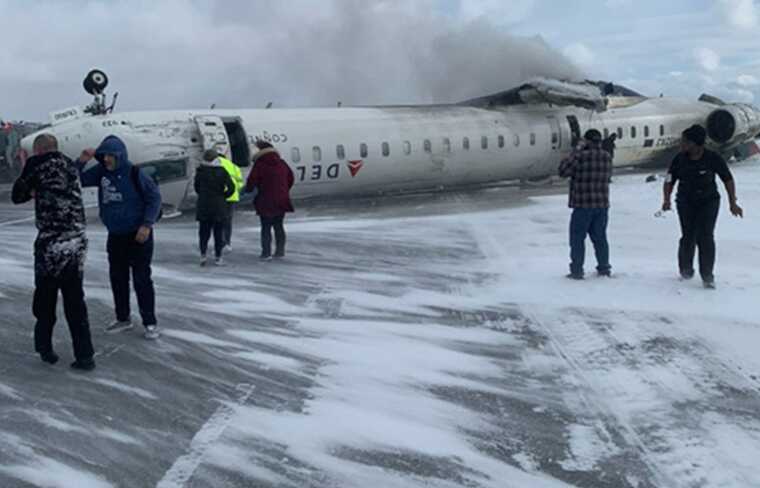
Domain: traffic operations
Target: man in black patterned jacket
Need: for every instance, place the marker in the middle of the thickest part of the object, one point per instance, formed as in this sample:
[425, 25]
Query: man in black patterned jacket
[52, 180]
[589, 168]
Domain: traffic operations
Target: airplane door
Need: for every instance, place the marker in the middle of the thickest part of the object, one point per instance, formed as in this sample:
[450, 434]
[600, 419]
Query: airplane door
[213, 134]
[556, 133]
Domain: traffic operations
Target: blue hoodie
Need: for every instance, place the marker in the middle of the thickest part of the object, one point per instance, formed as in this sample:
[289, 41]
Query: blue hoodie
[122, 209]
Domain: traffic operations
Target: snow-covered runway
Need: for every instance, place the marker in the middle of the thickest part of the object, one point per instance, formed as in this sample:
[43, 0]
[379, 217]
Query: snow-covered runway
[427, 342]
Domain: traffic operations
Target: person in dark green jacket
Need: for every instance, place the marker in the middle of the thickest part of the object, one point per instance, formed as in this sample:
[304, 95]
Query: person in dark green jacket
[214, 186]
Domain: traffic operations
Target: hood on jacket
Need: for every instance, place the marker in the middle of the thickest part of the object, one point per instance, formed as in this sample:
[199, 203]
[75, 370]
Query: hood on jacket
[214, 162]
[265, 152]
[116, 147]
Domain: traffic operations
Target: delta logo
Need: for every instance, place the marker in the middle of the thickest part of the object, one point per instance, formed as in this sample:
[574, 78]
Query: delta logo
[354, 167]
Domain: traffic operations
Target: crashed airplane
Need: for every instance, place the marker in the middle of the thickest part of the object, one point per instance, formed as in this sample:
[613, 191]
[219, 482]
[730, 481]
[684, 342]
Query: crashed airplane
[519, 134]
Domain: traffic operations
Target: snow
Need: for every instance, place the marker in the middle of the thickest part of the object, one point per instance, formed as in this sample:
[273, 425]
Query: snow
[434, 344]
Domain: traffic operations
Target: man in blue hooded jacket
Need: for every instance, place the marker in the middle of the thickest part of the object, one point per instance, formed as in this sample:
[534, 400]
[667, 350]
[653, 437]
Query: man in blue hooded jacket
[128, 212]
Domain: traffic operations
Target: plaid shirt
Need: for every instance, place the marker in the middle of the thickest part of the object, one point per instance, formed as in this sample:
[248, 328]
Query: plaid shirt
[589, 170]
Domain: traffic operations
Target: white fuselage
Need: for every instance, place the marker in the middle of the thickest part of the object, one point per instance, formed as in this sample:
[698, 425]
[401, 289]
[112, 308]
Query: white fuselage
[364, 151]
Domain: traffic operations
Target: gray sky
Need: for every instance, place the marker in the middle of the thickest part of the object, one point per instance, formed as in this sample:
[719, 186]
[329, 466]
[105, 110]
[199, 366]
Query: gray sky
[243, 53]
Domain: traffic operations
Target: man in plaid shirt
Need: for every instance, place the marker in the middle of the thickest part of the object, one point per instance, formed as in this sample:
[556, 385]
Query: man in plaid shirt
[589, 168]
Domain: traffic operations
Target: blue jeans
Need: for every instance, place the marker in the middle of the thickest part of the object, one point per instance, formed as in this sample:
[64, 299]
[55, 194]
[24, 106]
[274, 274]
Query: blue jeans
[591, 222]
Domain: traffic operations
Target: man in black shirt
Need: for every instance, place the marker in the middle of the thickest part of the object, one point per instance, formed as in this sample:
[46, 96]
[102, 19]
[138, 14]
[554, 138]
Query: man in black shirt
[698, 201]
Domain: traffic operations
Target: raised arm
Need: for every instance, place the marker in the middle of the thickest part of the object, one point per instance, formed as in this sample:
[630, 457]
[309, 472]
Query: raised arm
[567, 166]
[92, 176]
[24, 186]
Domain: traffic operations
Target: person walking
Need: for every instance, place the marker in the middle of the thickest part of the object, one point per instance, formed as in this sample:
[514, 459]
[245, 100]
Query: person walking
[273, 179]
[213, 185]
[589, 168]
[129, 203]
[698, 202]
[237, 178]
[52, 180]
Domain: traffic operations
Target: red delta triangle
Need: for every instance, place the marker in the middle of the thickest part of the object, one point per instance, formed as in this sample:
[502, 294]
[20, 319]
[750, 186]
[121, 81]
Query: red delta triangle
[354, 167]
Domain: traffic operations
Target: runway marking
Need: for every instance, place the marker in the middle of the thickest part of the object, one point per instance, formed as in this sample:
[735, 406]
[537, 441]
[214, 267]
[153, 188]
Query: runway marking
[14, 222]
[185, 466]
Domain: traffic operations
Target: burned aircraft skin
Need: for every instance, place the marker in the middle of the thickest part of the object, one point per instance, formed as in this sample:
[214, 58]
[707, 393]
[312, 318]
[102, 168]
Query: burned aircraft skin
[521, 134]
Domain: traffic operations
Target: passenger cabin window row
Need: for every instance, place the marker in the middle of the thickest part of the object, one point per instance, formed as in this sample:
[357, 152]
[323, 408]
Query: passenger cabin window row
[406, 146]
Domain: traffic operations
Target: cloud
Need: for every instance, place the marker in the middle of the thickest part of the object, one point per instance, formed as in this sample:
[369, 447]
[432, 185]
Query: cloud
[747, 80]
[707, 59]
[498, 12]
[242, 54]
[741, 14]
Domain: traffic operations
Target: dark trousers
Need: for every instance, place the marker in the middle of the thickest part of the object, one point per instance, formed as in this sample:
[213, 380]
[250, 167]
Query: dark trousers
[205, 228]
[591, 222]
[266, 235]
[45, 299]
[697, 230]
[228, 223]
[125, 255]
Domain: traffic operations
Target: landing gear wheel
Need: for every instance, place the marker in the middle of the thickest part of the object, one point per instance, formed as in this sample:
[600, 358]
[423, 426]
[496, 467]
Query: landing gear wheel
[95, 82]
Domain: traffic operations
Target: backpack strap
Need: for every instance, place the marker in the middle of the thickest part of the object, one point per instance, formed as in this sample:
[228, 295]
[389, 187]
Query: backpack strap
[134, 174]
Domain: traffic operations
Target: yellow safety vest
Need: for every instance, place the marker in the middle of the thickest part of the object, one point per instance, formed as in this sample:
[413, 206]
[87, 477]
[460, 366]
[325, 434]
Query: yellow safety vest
[236, 175]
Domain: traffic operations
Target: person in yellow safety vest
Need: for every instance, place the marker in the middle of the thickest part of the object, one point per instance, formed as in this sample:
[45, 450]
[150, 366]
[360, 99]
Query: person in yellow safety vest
[237, 178]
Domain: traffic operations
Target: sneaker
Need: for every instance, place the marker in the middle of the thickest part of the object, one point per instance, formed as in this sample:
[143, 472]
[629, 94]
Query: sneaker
[83, 365]
[279, 255]
[118, 326]
[49, 357]
[265, 257]
[227, 249]
[709, 284]
[575, 276]
[687, 274]
[604, 273]
[204, 260]
[151, 332]
[219, 261]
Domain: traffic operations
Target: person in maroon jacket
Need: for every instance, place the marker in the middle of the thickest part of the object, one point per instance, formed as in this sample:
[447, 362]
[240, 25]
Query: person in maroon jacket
[272, 178]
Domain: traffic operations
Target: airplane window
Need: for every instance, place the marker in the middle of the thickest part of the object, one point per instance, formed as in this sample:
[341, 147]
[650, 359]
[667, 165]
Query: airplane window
[466, 143]
[633, 132]
[165, 170]
[532, 139]
[620, 132]
[662, 130]
[427, 146]
[606, 133]
[316, 153]
[407, 148]
[501, 141]
[446, 145]
[340, 151]
[484, 142]
[363, 150]
[295, 154]
[517, 140]
[555, 138]
[386, 149]
[646, 131]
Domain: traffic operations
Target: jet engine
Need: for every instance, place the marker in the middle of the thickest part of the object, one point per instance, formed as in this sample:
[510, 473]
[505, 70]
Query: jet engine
[734, 124]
